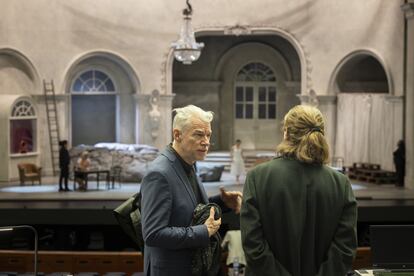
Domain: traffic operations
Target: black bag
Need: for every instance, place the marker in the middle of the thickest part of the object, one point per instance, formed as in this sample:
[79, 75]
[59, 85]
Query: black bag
[128, 215]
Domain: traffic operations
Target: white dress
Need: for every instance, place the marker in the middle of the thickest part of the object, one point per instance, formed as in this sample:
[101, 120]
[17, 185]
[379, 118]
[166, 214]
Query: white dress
[237, 164]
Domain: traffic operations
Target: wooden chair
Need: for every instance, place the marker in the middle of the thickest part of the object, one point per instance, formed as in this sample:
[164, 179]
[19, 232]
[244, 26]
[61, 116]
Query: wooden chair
[77, 176]
[115, 175]
[29, 172]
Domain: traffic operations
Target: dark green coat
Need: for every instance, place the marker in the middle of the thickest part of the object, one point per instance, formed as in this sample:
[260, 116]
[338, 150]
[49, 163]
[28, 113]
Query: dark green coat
[298, 219]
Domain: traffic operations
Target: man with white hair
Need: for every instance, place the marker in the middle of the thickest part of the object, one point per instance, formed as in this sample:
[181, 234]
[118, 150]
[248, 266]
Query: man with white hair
[170, 193]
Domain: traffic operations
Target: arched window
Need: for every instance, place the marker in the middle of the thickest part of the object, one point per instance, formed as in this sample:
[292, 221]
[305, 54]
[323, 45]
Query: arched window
[93, 81]
[257, 72]
[94, 96]
[22, 127]
[255, 93]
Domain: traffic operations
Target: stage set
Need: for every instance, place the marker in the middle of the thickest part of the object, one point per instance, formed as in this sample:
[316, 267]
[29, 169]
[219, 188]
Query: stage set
[45, 207]
[78, 232]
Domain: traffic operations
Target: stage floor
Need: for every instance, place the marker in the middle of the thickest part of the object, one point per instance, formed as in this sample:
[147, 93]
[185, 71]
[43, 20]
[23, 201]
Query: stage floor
[49, 191]
[29, 204]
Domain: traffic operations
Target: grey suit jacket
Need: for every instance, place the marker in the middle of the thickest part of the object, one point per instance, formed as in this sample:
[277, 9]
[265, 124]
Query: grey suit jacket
[168, 202]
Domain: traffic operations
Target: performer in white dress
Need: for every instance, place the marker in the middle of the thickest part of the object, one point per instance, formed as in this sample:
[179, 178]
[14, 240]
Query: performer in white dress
[237, 162]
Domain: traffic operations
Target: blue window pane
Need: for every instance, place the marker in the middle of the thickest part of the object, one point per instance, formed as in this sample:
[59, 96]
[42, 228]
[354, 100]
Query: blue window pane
[272, 94]
[89, 85]
[249, 94]
[262, 94]
[262, 111]
[261, 67]
[249, 111]
[86, 76]
[241, 77]
[110, 85]
[100, 75]
[239, 94]
[272, 111]
[77, 86]
[239, 111]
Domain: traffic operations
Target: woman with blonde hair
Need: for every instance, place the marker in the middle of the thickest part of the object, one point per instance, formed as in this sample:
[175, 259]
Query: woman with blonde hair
[82, 166]
[298, 215]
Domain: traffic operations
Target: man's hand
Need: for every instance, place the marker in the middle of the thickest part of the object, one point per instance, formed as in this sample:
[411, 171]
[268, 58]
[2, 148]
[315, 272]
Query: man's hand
[232, 199]
[212, 225]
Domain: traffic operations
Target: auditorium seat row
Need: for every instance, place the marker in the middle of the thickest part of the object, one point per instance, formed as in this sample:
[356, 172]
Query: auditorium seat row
[72, 261]
[100, 263]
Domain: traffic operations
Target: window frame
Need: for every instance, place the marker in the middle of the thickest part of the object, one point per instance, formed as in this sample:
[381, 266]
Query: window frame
[109, 76]
[13, 117]
[244, 80]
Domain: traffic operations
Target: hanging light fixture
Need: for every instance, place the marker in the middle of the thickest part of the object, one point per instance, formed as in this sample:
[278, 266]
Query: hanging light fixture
[186, 49]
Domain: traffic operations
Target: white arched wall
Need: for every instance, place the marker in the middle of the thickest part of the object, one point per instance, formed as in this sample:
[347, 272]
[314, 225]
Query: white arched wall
[19, 79]
[305, 65]
[243, 50]
[332, 86]
[116, 58]
[367, 125]
[127, 85]
[226, 70]
[18, 75]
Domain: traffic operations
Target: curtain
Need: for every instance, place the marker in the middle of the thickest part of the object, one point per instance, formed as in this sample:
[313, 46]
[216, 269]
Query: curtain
[368, 129]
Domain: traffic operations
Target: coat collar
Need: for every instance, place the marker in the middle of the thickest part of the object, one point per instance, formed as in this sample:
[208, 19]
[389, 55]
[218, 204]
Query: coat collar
[179, 170]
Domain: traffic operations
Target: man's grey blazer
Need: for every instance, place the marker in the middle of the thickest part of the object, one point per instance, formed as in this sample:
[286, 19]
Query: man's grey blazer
[168, 202]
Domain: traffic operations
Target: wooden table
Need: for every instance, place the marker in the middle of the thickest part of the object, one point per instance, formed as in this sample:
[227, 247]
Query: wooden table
[97, 172]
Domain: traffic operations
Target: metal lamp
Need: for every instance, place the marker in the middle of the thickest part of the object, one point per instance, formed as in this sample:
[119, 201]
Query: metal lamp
[186, 49]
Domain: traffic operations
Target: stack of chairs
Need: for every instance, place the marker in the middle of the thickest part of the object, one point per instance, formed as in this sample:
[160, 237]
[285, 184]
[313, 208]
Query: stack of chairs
[371, 173]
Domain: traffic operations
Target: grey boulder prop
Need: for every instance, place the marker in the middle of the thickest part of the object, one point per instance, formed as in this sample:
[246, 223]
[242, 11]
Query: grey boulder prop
[133, 158]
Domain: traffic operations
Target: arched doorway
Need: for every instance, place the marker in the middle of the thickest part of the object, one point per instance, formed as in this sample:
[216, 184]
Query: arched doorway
[366, 111]
[255, 106]
[210, 82]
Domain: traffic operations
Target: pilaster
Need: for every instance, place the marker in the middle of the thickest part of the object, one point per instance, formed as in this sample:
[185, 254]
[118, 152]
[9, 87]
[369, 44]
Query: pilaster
[408, 10]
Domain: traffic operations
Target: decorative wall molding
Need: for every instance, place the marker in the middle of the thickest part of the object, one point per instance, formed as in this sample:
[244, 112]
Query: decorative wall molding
[394, 99]
[58, 97]
[321, 99]
[292, 84]
[154, 113]
[238, 30]
[212, 84]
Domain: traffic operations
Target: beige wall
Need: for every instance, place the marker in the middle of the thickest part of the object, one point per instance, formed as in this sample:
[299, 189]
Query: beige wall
[53, 35]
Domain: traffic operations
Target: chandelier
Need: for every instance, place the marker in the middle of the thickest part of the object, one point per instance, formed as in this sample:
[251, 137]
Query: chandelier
[186, 48]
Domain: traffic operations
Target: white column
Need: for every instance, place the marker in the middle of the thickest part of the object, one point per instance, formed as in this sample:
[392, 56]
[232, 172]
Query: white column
[143, 127]
[408, 9]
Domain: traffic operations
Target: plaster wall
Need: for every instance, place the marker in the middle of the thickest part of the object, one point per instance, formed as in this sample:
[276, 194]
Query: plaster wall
[142, 31]
[53, 35]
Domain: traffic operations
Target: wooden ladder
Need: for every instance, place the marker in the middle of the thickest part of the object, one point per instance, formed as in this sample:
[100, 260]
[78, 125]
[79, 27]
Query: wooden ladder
[53, 123]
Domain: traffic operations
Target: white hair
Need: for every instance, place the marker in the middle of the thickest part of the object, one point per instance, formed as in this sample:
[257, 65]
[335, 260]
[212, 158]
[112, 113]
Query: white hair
[184, 115]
